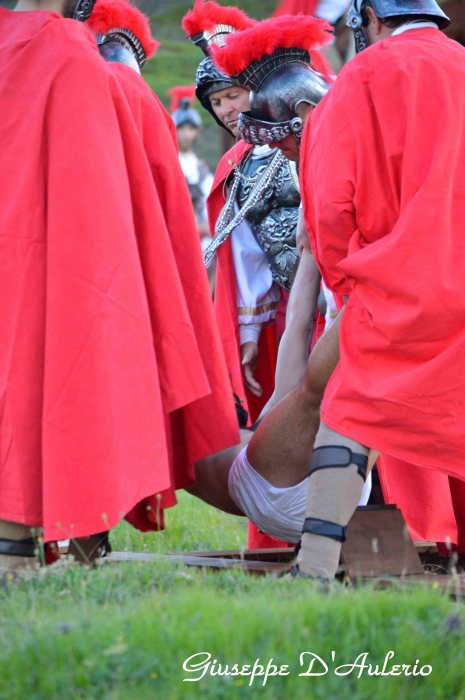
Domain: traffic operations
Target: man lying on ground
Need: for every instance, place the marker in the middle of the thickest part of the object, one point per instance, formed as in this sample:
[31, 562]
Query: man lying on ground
[268, 487]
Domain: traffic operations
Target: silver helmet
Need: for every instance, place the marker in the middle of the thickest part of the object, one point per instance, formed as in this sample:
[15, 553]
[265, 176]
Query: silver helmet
[186, 114]
[279, 83]
[384, 9]
[120, 45]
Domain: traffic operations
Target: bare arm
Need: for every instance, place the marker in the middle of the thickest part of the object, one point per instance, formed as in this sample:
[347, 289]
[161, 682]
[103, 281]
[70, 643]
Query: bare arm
[294, 346]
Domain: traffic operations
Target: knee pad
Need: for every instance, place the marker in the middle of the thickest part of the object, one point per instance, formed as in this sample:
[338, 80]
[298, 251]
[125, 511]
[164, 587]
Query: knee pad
[333, 457]
[337, 457]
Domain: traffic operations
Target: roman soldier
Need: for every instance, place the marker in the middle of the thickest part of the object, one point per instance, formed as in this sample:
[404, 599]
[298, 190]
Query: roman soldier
[197, 173]
[82, 432]
[356, 409]
[430, 502]
[189, 410]
[253, 211]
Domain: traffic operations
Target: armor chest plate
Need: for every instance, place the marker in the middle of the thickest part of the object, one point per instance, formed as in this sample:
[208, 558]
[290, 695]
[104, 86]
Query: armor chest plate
[274, 218]
[283, 192]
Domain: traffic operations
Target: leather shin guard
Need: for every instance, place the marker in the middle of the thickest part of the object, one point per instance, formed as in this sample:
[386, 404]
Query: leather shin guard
[333, 495]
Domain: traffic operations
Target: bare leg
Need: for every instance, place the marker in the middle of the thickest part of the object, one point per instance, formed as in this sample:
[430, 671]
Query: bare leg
[212, 474]
[333, 495]
[282, 446]
[15, 532]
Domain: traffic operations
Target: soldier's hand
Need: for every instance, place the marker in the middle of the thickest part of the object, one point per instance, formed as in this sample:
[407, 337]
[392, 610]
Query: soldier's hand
[249, 358]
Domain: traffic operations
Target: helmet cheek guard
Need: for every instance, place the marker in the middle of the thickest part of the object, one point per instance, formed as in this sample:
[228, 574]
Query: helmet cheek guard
[263, 133]
[83, 10]
[384, 9]
[355, 22]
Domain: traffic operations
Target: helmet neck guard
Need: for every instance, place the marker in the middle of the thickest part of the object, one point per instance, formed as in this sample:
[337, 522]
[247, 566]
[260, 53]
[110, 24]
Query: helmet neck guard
[126, 39]
[114, 52]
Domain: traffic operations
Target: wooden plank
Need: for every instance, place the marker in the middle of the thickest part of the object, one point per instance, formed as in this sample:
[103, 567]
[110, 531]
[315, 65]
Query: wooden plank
[450, 585]
[278, 554]
[200, 562]
[378, 544]
[424, 547]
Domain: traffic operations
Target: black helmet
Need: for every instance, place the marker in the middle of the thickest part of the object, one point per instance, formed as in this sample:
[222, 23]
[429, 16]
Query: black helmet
[209, 24]
[209, 79]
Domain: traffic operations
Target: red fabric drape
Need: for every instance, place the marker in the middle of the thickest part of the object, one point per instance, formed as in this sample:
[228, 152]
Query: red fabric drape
[188, 429]
[296, 7]
[81, 418]
[400, 383]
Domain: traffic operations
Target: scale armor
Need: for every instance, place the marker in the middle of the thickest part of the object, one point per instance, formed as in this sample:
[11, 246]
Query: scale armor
[274, 218]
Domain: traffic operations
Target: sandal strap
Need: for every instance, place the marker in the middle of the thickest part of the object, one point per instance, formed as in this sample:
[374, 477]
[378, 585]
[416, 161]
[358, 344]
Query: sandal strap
[18, 548]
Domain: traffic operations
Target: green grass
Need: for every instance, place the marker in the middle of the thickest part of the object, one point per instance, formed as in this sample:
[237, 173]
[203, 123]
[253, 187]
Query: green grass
[123, 631]
[190, 526]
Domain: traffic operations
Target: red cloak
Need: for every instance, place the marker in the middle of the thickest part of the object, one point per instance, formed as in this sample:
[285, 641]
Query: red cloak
[82, 434]
[383, 184]
[226, 300]
[190, 434]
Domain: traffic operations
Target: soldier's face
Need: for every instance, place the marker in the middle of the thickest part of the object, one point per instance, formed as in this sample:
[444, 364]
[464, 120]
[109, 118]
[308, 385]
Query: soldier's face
[187, 135]
[228, 104]
[288, 145]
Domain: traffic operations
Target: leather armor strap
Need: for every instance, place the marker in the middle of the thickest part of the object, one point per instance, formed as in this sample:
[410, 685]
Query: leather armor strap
[315, 526]
[18, 548]
[337, 456]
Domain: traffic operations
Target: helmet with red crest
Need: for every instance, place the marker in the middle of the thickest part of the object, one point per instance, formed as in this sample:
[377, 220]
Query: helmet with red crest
[280, 62]
[208, 24]
[123, 33]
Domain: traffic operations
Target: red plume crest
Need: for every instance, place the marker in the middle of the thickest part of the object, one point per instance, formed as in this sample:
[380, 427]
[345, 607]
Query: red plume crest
[204, 16]
[178, 93]
[110, 14]
[287, 31]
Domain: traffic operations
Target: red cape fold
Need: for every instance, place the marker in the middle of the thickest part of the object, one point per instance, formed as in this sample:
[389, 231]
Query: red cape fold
[226, 300]
[82, 425]
[423, 496]
[82, 432]
[189, 430]
[400, 260]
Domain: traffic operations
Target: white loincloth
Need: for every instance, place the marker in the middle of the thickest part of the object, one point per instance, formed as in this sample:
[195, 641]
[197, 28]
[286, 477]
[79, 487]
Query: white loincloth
[277, 512]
